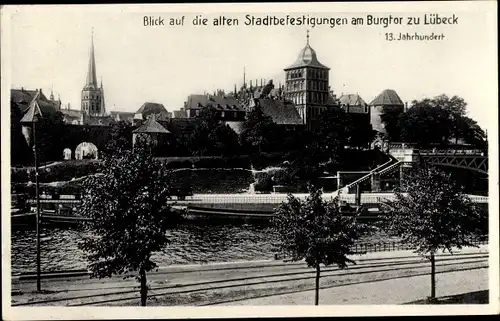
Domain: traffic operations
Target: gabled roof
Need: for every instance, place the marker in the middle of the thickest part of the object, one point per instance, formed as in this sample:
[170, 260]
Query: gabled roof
[22, 98]
[352, 100]
[219, 102]
[282, 112]
[149, 108]
[151, 126]
[388, 97]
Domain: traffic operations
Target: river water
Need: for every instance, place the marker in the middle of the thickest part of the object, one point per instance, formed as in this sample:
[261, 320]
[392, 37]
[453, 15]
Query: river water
[190, 244]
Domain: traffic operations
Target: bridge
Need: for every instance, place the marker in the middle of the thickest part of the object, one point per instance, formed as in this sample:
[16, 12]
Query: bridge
[404, 156]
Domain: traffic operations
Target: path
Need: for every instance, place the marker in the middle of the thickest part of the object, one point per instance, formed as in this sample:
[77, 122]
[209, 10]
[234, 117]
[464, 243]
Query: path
[271, 282]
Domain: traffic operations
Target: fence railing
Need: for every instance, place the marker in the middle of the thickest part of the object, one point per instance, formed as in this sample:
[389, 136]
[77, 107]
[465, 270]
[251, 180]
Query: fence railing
[361, 248]
[366, 198]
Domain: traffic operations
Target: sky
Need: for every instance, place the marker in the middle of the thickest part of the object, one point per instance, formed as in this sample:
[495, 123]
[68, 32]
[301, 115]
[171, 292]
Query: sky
[49, 48]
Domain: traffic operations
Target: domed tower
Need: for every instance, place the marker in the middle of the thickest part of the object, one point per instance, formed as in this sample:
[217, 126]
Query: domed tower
[307, 84]
[92, 95]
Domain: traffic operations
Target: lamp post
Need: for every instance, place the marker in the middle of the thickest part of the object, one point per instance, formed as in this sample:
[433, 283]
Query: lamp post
[31, 117]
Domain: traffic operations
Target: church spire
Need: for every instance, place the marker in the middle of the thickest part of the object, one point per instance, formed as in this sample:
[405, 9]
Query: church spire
[52, 93]
[308, 37]
[91, 73]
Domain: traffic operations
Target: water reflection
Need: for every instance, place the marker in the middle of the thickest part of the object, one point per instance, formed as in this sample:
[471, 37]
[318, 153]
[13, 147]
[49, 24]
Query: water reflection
[202, 242]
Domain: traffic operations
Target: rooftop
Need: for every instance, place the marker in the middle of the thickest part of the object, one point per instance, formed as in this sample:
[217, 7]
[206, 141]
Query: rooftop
[388, 97]
[307, 58]
[151, 126]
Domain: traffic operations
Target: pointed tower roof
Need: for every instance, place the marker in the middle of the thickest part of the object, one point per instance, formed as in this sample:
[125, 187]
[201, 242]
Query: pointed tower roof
[307, 58]
[34, 113]
[388, 97]
[151, 126]
[103, 105]
[91, 73]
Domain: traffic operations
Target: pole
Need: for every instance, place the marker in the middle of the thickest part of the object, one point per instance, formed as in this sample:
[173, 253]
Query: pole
[37, 195]
[433, 277]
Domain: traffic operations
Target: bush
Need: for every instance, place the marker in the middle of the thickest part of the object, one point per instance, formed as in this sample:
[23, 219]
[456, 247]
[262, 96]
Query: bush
[209, 162]
[263, 160]
[64, 171]
[263, 182]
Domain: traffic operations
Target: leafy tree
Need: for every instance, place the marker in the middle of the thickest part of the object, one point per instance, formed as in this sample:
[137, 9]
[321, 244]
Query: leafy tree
[360, 134]
[425, 124]
[129, 215]
[330, 133]
[258, 131]
[225, 140]
[391, 118]
[431, 213]
[212, 137]
[120, 137]
[471, 133]
[317, 231]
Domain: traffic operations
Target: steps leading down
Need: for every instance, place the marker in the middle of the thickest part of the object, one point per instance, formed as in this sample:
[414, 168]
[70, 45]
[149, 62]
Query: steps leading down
[385, 168]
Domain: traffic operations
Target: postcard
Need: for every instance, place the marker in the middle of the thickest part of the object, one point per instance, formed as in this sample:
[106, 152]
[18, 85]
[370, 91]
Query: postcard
[249, 160]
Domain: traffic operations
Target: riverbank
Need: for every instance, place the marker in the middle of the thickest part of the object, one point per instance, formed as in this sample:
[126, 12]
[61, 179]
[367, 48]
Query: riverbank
[377, 278]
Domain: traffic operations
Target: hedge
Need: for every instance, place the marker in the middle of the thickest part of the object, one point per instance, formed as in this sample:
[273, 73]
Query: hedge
[64, 171]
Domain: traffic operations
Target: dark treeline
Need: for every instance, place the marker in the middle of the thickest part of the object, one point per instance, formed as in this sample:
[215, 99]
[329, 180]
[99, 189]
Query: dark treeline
[437, 121]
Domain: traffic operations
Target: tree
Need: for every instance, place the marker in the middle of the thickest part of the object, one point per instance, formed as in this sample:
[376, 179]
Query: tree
[120, 137]
[330, 133]
[50, 133]
[425, 123]
[128, 212]
[360, 134]
[258, 131]
[225, 140]
[431, 213]
[212, 137]
[317, 231]
[391, 116]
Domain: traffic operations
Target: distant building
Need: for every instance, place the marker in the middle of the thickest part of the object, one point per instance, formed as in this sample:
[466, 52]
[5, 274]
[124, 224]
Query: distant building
[21, 98]
[92, 106]
[118, 116]
[150, 130]
[149, 109]
[353, 103]
[307, 85]
[386, 99]
[92, 95]
[228, 107]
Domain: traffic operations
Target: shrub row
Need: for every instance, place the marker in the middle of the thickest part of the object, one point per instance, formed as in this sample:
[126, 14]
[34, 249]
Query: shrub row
[208, 162]
[64, 171]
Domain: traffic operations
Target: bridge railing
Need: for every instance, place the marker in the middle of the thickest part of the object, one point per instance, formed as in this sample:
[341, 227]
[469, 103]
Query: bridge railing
[377, 198]
[367, 176]
[472, 152]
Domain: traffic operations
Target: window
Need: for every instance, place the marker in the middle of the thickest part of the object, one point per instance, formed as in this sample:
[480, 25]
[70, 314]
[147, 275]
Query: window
[197, 112]
[222, 114]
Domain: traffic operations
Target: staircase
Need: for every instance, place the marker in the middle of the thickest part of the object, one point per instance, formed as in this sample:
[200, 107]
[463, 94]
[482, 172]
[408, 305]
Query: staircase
[385, 168]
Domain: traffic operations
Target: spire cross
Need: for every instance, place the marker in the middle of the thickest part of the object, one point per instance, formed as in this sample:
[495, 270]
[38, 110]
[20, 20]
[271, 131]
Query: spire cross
[307, 36]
